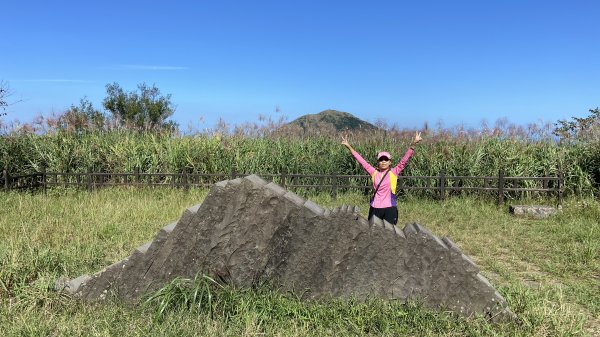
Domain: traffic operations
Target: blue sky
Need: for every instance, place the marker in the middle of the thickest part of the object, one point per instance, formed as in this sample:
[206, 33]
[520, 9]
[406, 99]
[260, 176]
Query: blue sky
[406, 62]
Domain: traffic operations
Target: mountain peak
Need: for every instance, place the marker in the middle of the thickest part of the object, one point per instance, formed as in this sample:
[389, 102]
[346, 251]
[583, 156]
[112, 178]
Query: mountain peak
[329, 118]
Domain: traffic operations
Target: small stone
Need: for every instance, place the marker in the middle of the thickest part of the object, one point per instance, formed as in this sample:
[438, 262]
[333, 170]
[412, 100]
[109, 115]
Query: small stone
[533, 211]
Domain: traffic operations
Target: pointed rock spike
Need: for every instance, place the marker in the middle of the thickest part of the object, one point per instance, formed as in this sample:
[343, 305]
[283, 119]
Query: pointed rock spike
[376, 221]
[144, 248]
[410, 229]
[389, 226]
[293, 197]
[314, 207]
[278, 190]
[256, 180]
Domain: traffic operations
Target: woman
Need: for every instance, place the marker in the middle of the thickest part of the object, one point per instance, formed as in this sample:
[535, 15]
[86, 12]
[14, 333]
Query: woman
[383, 202]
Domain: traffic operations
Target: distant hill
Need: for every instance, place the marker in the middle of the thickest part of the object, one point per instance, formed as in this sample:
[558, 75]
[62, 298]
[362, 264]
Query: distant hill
[338, 120]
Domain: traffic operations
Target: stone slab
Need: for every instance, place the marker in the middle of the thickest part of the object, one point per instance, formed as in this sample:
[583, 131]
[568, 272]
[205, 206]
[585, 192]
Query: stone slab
[246, 233]
[533, 211]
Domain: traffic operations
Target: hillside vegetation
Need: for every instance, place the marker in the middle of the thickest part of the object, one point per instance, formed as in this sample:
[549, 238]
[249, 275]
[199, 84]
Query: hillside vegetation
[124, 151]
[308, 145]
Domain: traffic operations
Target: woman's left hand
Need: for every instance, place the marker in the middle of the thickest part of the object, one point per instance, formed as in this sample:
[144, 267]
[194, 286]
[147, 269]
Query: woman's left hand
[345, 141]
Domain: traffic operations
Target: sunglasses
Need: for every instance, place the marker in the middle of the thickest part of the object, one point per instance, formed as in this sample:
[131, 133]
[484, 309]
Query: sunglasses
[384, 159]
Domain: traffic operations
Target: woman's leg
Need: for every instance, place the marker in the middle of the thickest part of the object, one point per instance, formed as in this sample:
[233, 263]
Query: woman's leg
[378, 212]
[391, 215]
[371, 210]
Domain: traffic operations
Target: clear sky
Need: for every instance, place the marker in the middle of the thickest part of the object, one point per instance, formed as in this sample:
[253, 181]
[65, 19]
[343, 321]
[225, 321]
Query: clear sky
[407, 62]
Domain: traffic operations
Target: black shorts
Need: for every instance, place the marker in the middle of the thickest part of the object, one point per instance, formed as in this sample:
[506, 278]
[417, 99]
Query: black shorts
[389, 214]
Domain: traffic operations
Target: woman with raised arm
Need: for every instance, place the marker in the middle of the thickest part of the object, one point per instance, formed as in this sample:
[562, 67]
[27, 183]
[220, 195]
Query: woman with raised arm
[383, 203]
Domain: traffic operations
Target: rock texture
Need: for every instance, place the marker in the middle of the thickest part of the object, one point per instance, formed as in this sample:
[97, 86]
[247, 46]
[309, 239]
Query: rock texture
[247, 231]
[532, 211]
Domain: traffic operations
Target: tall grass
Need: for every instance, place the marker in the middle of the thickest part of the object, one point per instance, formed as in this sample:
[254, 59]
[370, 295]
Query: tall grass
[546, 269]
[121, 151]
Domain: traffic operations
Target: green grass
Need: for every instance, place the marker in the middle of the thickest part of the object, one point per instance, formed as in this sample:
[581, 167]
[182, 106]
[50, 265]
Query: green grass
[482, 155]
[548, 270]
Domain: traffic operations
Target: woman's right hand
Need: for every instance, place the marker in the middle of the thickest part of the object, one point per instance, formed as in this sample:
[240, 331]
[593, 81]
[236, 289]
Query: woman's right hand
[417, 138]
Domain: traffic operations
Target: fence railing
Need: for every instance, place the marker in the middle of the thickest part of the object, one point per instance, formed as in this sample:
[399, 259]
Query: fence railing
[440, 186]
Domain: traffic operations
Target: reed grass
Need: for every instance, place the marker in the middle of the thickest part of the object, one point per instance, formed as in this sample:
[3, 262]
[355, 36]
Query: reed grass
[122, 151]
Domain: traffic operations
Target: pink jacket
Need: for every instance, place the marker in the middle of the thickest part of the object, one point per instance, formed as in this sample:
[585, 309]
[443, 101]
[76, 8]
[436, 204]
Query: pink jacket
[386, 194]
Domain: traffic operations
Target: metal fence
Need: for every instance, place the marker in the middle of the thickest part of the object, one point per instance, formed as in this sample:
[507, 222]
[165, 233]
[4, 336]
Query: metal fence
[441, 186]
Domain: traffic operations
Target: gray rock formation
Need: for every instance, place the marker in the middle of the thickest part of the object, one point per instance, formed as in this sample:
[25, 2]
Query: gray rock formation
[532, 211]
[247, 231]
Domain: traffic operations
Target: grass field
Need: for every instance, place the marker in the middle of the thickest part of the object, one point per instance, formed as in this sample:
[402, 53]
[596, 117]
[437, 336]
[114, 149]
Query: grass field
[548, 271]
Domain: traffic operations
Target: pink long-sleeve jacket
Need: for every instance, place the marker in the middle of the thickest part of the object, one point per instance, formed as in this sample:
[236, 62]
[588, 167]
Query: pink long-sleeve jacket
[386, 194]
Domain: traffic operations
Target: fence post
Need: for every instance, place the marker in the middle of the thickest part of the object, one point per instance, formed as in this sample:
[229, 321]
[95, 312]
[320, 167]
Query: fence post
[186, 186]
[561, 182]
[283, 178]
[442, 184]
[5, 176]
[136, 174]
[89, 179]
[501, 186]
[334, 185]
[44, 185]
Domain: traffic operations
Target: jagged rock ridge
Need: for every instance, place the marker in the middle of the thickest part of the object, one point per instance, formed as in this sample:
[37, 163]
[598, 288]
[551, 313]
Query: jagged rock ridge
[247, 231]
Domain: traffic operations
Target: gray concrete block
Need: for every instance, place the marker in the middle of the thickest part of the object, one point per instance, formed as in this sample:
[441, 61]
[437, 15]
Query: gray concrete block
[389, 226]
[170, 227]
[421, 229]
[314, 207]
[296, 199]
[376, 222]
[485, 281]
[470, 266]
[400, 233]
[221, 184]
[533, 211]
[428, 235]
[363, 221]
[72, 286]
[164, 232]
[410, 229]
[144, 248]
[450, 244]
[278, 190]
[194, 209]
[256, 180]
